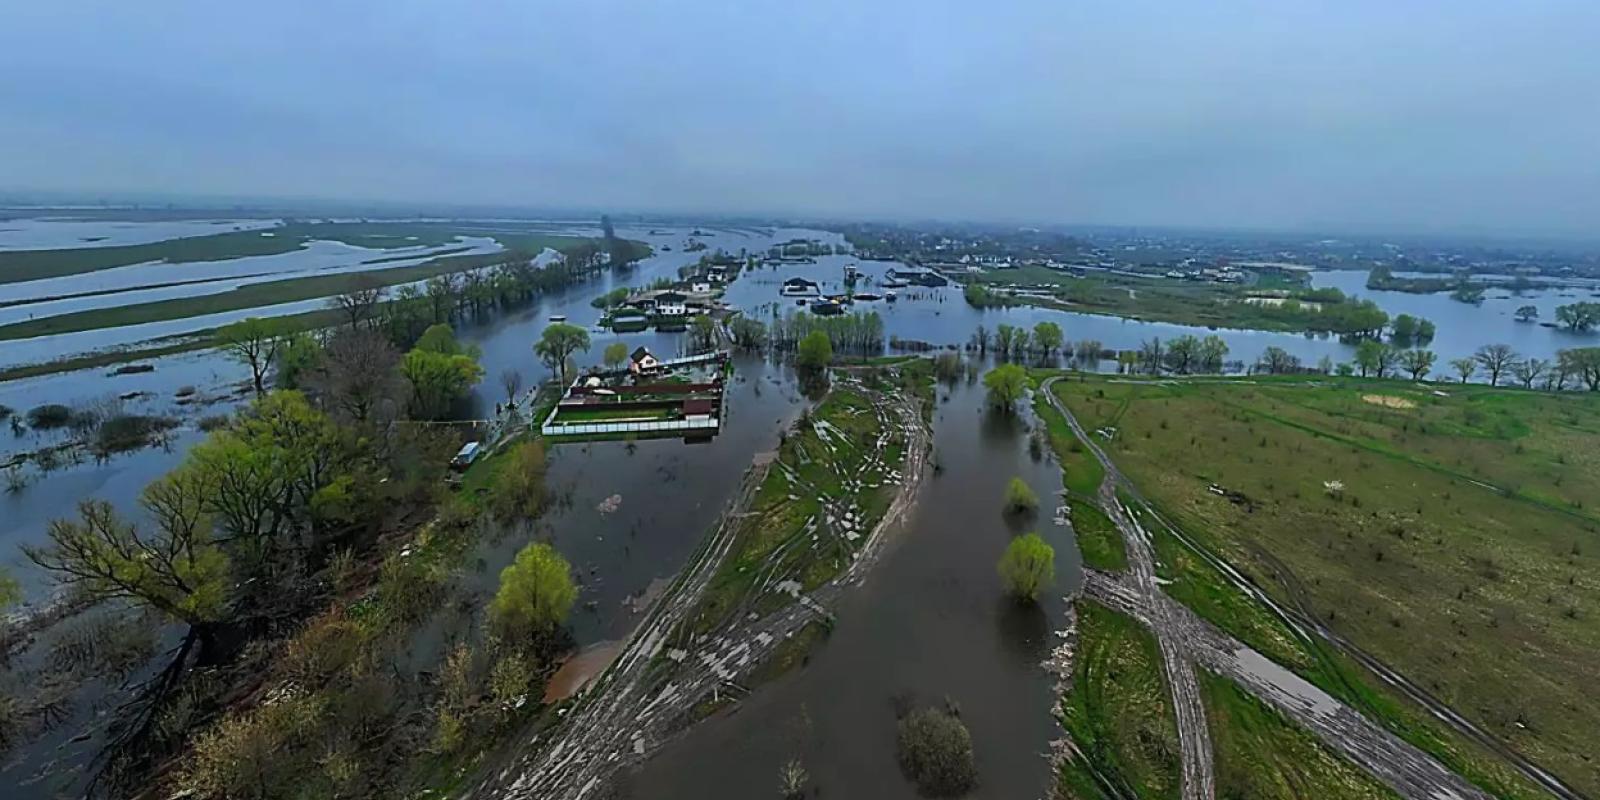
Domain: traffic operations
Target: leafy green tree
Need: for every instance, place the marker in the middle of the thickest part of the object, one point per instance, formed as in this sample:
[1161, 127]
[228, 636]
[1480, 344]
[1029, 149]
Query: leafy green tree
[1527, 313]
[536, 593]
[1417, 362]
[1183, 353]
[815, 351]
[556, 346]
[1375, 357]
[1212, 351]
[1006, 384]
[1047, 337]
[615, 354]
[437, 380]
[177, 569]
[1579, 316]
[1277, 361]
[440, 339]
[254, 342]
[1020, 497]
[1028, 566]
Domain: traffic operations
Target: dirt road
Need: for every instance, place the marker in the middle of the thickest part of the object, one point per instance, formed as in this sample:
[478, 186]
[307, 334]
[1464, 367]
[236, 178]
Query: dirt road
[1185, 640]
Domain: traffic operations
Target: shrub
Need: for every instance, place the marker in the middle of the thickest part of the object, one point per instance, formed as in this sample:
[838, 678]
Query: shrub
[518, 488]
[48, 416]
[129, 432]
[936, 752]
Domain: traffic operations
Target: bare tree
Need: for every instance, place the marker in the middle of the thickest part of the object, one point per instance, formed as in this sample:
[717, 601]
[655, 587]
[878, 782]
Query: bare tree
[1528, 370]
[511, 381]
[1464, 367]
[1277, 361]
[358, 375]
[254, 342]
[1495, 359]
[359, 303]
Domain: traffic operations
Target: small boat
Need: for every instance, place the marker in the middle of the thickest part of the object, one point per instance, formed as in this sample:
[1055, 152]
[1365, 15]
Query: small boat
[558, 317]
[867, 297]
[890, 297]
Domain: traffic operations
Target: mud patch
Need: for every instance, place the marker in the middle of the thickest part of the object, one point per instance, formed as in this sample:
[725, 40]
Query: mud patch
[1387, 401]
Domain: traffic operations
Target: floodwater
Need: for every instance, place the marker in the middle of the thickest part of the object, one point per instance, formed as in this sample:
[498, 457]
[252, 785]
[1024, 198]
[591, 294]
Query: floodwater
[60, 233]
[208, 277]
[930, 625]
[1464, 327]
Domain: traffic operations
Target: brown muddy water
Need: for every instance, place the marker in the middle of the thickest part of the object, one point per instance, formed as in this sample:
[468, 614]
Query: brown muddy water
[930, 625]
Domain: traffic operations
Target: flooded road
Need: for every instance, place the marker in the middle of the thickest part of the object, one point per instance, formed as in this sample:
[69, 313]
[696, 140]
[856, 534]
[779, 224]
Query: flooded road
[930, 624]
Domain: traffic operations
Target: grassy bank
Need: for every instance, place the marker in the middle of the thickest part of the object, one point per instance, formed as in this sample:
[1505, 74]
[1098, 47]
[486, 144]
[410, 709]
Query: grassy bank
[1259, 754]
[1444, 535]
[829, 461]
[1118, 712]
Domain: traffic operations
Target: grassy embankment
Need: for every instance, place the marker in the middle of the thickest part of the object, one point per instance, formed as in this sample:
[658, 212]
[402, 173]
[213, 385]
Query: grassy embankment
[1098, 539]
[1212, 305]
[1118, 712]
[1459, 550]
[1259, 754]
[254, 295]
[830, 455]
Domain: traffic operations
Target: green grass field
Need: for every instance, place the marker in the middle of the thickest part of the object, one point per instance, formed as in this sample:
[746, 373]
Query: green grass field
[1459, 550]
[1259, 754]
[1118, 712]
[783, 505]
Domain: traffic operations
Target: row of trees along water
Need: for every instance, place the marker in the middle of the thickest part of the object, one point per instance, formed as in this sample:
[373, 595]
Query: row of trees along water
[289, 511]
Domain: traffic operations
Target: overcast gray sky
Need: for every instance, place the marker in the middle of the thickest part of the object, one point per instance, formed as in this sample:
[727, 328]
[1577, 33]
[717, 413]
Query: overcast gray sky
[1425, 115]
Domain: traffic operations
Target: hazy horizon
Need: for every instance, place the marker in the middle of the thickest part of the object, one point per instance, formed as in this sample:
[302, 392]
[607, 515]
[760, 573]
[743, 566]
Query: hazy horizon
[1428, 118]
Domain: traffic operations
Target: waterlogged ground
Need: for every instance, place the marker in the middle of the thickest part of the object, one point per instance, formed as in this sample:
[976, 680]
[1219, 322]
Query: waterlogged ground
[930, 625]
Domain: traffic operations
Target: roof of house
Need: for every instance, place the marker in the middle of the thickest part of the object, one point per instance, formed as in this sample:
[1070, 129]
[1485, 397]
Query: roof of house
[671, 296]
[641, 354]
[798, 282]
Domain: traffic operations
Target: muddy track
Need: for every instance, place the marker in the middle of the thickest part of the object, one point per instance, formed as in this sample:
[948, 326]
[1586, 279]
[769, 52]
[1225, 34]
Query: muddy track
[1194, 738]
[1303, 622]
[645, 696]
[1406, 769]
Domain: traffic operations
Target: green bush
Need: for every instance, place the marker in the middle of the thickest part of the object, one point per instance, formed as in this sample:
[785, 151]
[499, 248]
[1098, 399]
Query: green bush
[1020, 498]
[1028, 565]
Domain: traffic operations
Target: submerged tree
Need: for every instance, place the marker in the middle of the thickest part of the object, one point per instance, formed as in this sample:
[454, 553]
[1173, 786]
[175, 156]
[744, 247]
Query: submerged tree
[1020, 498]
[935, 752]
[536, 594]
[1006, 384]
[1028, 565]
[815, 352]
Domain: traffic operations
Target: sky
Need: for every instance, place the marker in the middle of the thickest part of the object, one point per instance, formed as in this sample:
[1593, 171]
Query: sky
[1469, 116]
